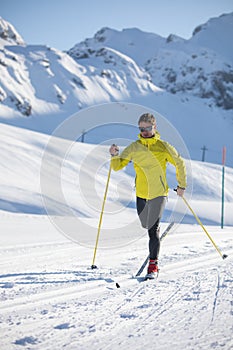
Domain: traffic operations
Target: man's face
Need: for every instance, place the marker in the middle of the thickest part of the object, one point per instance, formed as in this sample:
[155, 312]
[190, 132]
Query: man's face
[146, 129]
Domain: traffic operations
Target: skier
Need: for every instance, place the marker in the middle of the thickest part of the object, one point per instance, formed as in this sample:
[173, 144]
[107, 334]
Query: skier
[150, 155]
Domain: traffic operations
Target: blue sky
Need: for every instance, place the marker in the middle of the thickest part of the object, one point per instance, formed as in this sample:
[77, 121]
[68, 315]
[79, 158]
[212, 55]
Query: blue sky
[63, 23]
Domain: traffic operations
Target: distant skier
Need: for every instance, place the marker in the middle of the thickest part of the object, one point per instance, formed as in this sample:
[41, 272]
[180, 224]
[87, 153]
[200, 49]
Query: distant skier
[150, 155]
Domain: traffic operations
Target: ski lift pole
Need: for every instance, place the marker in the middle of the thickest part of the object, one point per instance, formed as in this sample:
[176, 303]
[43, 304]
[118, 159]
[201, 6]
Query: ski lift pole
[93, 266]
[223, 256]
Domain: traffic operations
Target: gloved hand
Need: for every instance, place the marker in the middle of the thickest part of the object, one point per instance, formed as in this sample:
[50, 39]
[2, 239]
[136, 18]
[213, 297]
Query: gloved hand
[114, 150]
[180, 191]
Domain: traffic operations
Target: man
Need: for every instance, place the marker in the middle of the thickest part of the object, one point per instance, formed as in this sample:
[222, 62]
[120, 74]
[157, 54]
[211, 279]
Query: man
[150, 155]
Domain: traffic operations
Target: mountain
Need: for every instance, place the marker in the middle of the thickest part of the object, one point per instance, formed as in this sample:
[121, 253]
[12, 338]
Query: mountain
[215, 35]
[201, 66]
[9, 34]
[189, 82]
[37, 79]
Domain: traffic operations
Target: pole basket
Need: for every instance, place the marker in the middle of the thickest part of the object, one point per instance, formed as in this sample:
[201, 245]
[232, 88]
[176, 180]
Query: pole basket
[94, 267]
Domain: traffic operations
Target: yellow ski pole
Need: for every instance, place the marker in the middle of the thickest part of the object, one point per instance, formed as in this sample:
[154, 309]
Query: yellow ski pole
[223, 256]
[93, 266]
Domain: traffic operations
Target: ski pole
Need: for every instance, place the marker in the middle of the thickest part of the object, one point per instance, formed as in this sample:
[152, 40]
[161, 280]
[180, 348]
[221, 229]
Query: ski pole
[223, 256]
[93, 266]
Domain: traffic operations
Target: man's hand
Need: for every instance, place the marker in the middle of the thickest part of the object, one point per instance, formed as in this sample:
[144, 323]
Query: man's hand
[180, 191]
[114, 150]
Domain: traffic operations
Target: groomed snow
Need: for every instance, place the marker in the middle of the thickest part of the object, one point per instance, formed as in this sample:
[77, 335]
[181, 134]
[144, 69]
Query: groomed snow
[52, 299]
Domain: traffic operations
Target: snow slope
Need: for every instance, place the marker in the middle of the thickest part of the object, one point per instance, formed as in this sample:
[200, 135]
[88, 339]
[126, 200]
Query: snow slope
[50, 298]
[84, 171]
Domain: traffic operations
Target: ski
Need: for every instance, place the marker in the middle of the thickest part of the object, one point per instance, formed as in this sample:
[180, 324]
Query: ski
[151, 276]
[147, 258]
[147, 277]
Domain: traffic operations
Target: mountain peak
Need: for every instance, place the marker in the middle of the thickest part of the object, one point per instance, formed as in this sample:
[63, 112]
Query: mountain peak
[216, 34]
[132, 42]
[9, 33]
[223, 20]
[102, 34]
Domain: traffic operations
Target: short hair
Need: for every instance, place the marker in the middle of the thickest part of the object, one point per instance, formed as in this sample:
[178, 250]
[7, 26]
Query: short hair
[147, 118]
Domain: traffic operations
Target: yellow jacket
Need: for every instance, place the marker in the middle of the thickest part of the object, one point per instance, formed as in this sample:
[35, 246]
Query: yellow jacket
[150, 157]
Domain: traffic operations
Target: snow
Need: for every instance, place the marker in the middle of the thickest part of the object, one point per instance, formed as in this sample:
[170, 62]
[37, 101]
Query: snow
[137, 44]
[52, 188]
[8, 32]
[214, 34]
[50, 296]
[51, 299]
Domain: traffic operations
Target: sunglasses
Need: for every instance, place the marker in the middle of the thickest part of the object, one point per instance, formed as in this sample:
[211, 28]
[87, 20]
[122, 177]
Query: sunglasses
[148, 128]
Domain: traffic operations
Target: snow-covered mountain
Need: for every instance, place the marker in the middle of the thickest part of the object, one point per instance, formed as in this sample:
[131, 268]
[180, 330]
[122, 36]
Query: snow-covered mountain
[187, 81]
[9, 34]
[200, 66]
[116, 66]
[38, 79]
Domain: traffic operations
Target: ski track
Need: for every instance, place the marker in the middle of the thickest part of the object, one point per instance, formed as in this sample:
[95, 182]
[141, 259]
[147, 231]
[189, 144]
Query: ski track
[189, 291]
[44, 308]
[146, 322]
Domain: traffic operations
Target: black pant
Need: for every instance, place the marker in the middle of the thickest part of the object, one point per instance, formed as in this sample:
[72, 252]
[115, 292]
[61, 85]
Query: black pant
[150, 213]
